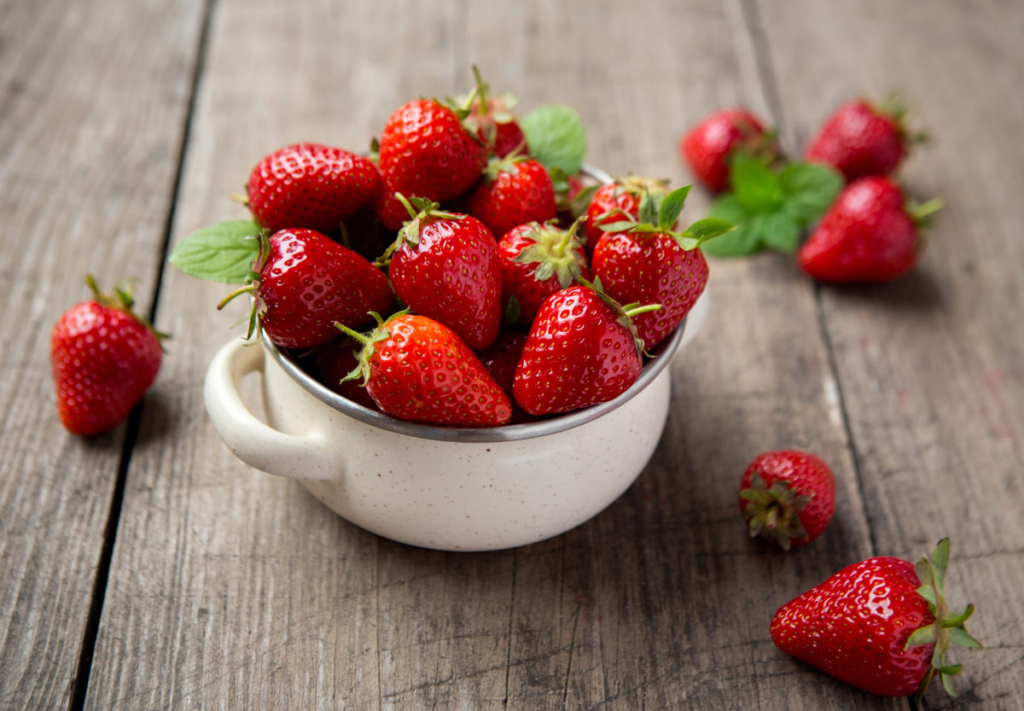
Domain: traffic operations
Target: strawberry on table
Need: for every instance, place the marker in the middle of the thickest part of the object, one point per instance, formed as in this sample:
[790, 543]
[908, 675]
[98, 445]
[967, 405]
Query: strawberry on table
[882, 625]
[708, 146]
[308, 185]
[582, 350]
[862, 139]
[870, 234]
[417, 369]
[617, 201]
[536, 261]
[787, 497]
[446, 266]
[647, 261]
[514, 191]
[104, 359]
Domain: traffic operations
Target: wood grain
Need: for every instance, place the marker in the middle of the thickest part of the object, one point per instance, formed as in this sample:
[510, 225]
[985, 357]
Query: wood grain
[930, 367]
[93, 100]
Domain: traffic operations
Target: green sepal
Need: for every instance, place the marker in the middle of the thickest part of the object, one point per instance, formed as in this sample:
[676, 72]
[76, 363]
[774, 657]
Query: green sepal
[701, 231]
[369, 341]
[671, 207]
[961, 637]
[513, 311]
[555, 251]
[123, 299]
[773, 513]
[625, 313]
[922, 635]
[420, 210]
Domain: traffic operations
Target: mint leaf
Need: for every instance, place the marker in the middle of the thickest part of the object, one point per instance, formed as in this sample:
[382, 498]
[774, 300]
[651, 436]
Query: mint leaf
[737, 243]
[779, 231]
[219, 252]
[556, 137]
[671, 206]
[756, 187]
[809, 190]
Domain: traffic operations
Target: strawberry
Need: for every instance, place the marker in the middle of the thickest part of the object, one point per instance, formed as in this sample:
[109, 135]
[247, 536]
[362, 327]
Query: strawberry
[426, 152]
[646, 261]
[536, 261]
[305, 282]
[500, 360]
[870, 234]
[334, 361]
[390, 211]
[104, 359]
[311, 186]
[582, 350]
[708, 146]
[618, 201]
[417, 369]
[514, 191]
[787, 497]
[861, 139]
[446, 266]
[882, 625]
[491, 121]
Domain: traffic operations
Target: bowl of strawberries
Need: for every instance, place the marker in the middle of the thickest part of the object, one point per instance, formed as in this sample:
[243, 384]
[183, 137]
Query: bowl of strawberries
[464, 337]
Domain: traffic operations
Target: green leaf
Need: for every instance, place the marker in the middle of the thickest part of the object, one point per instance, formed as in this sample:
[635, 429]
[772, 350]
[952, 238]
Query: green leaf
[223, 252]
[620, 226]
[702, 230]
[737, 243]
[671, 206]
[940, 562]
[556, 137]
[754, 184]
[780, 231]
[809, 189]
[960, 636]
[928, 593]
[947, 684]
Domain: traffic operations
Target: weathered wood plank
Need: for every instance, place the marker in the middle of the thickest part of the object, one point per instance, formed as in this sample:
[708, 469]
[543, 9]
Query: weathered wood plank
[234, 589]
[93, 100]
[930, 367]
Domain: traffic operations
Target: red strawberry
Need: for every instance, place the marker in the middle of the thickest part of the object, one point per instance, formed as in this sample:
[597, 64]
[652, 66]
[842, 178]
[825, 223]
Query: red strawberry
[335, 360]
[619, 201]
[491, 121]
[306, 283]
[860, 139]
[582, 350]
[787, 497]
[640, 262]
[390, 211]
[513, 192]
[104, 359]
[500, 360]
[870, 234]
[426, 152]
[536, 261]
[417, 369]
[707, 146]
[446, 266]
[311, 186]
[873, 625]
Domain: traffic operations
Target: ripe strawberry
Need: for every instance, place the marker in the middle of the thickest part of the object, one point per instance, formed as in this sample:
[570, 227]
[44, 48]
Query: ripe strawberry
[870, 234]
[305, 283]
[311, 186]
[861, 139]
[390, 211]
[334, 361]
[619, 201]
[536, 261]
[513, 192]
[874, 625]
[417, 369]
[426, 152]
[582, 350]
[646, 261]
[104, 359]
[446, 266]
[787, 497]
[707, 146]
[500, 360]
[491, 121]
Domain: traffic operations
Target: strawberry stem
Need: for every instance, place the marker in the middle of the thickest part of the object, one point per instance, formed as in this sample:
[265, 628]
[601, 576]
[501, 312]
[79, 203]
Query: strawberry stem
[631, 312]
[247, 289]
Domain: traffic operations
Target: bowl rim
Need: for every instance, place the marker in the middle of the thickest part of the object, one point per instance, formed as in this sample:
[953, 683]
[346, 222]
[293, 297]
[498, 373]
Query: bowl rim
[504, 433]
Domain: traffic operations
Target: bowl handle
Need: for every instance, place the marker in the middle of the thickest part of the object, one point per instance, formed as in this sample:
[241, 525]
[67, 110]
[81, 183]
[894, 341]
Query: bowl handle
[299, 457]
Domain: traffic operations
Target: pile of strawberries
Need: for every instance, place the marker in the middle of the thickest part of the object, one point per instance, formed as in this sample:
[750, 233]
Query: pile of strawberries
[870, 232]
[491, 297]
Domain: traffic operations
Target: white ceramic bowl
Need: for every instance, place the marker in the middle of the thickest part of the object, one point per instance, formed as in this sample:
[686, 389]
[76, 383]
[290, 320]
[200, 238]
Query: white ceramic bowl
[436, 487]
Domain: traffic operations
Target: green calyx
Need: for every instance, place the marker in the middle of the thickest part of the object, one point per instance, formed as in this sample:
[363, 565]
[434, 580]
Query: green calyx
[773, 512]
[921, 212]
[625, 312]
[420, 211]
[486, 112]
[252, 285]
[556, 252]
[123, 300]
[659, 213]
[369, 342]
[948, 627]
[508, 164]
[896, 109]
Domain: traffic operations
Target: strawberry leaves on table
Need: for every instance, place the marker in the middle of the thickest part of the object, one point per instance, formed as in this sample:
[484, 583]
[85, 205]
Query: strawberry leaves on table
[771, 207]
[556, 137]
[223, 252]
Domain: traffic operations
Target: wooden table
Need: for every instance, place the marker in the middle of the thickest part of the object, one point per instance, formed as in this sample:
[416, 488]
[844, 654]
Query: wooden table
[149, 569]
